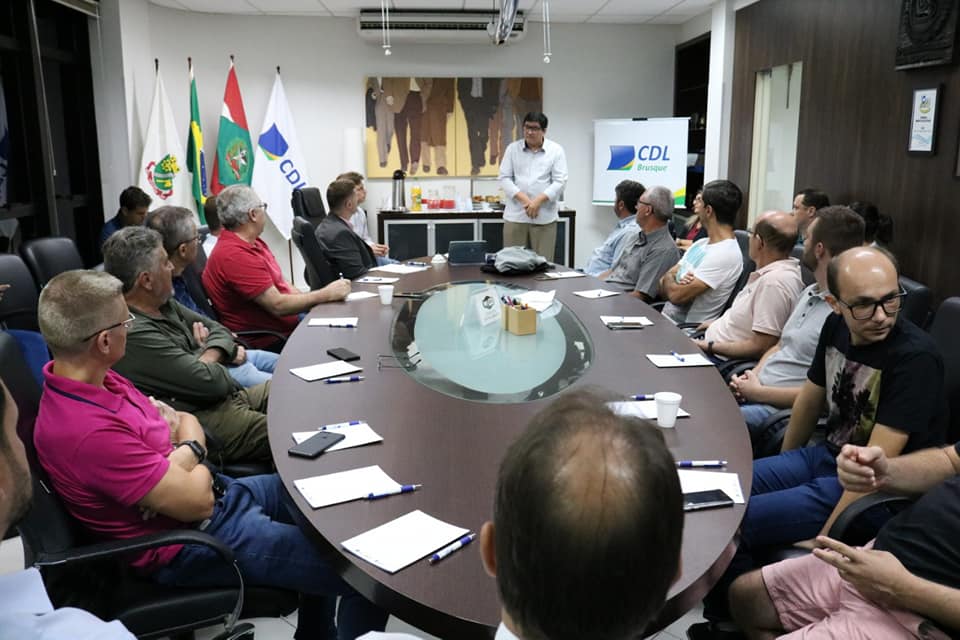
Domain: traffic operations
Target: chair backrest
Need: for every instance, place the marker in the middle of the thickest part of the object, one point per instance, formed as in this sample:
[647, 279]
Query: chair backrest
[47, 257]
[917, 302]
[805, 274]
[18, 305]
[944, 332]
[308, 203]
[319, 272]
[743, 239]
[749, 266]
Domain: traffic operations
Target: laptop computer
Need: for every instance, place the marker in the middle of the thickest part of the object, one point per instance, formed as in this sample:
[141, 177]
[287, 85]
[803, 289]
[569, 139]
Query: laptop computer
[467, 252]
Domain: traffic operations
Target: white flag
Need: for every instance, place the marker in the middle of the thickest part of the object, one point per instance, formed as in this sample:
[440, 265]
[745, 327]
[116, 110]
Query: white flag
[279, 167]
[163, 171]
[4, 146]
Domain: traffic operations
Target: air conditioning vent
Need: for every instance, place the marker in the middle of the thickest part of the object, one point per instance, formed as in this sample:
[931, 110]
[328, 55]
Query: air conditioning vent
[430, 27]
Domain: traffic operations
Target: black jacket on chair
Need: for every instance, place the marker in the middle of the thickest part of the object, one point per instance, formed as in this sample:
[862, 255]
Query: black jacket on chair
[348, 252]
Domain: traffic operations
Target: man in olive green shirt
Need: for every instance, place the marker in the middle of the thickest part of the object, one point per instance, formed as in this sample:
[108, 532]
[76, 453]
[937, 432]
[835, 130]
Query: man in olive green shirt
[178, 356]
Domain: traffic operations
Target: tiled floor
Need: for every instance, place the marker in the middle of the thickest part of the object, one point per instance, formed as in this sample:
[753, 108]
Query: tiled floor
[11, 559]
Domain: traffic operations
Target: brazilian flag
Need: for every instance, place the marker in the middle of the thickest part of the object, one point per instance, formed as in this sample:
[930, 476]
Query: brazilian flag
[195, 160]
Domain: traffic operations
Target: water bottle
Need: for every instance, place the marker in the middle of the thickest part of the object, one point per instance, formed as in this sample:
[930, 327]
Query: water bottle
[398, 202]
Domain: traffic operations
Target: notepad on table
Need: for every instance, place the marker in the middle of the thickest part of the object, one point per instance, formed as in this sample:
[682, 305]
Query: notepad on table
[401, 542]
[334, 322]
[646, 409]
[360, 295]
[356, 434]
[344, 486]
[596, 293]
[324, 370]
[626, 321]
[376, 280]
[692, 481]
[679, 360]
[400, 269]
[560, 275]
[537, 300]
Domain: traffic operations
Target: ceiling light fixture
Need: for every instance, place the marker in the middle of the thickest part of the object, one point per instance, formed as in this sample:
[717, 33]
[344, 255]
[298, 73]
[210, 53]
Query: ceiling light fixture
[385, 26]
[546, 31]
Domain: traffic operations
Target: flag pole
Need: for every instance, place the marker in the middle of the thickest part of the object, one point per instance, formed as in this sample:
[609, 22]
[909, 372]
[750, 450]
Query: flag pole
[293, 278]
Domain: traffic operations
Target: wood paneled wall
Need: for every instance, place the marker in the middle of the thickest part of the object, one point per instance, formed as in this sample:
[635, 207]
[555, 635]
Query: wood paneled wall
[854, 122]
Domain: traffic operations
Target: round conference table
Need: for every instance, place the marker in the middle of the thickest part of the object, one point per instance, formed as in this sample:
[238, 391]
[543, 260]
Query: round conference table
[453, 446]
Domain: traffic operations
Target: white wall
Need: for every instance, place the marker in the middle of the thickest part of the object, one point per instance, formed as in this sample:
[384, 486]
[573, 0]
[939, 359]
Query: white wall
[597, 71]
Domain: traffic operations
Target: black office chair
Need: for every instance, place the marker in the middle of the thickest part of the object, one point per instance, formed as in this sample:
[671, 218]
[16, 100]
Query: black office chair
[806, 275]
[743, 239]
[917, 303]
[318, 272]
[18, 306]
[308, 203]
[47, 257]
[94, 576]
[943, 329]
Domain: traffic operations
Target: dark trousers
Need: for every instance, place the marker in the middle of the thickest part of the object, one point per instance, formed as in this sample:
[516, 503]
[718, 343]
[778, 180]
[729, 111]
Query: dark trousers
[478, 123]
[409, 117]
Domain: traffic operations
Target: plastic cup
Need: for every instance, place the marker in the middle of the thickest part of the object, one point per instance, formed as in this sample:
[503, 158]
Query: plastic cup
[668, 404]
[386, 296]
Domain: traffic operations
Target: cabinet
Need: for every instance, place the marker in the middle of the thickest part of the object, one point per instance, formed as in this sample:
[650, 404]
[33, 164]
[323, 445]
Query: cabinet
[413, 235]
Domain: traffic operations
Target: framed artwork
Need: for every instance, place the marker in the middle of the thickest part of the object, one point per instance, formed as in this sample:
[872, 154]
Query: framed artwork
[923, 120]
[444, 126]
[928, 33]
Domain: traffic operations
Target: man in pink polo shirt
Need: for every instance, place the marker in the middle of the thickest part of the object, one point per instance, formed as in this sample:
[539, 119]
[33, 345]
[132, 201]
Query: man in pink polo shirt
[126, 466]
[243, 279]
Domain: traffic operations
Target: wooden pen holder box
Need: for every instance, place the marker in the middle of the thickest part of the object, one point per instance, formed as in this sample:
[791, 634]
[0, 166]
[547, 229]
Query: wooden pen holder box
[520, 322]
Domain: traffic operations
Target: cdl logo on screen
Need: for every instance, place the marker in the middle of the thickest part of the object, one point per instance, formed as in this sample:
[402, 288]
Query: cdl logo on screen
[622, 156]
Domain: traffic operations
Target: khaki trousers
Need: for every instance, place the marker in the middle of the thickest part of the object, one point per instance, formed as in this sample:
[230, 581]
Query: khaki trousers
[239, 424]
[542, 237]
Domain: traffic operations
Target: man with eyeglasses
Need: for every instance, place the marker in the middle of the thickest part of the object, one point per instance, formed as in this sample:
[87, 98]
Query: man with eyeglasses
[532, 175]
[880, 379]
[244, 280]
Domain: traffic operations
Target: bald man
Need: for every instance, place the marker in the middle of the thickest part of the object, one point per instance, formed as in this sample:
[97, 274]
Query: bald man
[878, 378]
[755, 320]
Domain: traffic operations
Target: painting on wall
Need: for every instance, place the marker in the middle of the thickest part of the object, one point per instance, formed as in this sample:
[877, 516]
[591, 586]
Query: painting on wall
[444, 126]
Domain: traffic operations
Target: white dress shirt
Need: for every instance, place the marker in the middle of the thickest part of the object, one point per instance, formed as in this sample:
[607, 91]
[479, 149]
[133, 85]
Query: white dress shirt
[533, 172]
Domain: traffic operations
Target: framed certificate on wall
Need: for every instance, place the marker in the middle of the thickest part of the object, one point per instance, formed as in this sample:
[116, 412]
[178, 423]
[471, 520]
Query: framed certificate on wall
[923, 121]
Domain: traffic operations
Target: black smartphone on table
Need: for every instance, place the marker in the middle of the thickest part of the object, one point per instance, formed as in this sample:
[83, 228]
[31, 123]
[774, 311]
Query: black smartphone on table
[706, 500]
[343, 354]
[315, 445]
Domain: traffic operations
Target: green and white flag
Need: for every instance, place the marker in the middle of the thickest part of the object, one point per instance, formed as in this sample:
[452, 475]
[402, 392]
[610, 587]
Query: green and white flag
[233, 163]
[195, 158]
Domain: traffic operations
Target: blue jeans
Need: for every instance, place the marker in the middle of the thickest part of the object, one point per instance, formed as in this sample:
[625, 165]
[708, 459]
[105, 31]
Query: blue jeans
[755, 415]
[792, 496]
[256, 370]
[254, 518]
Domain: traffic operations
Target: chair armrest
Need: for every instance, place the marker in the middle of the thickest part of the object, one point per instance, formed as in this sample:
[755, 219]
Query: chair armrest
[658, 306]
[735, 367]
[688, 325]
[842, 525]
[100, 550]
[261, 332]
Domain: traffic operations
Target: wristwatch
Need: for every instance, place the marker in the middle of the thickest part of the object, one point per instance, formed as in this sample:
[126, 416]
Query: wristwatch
[196, 447]
[710, 347]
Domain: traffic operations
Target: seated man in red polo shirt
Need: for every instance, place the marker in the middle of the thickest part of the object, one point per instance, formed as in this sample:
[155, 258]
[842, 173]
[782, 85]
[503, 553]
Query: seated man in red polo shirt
[243, 279]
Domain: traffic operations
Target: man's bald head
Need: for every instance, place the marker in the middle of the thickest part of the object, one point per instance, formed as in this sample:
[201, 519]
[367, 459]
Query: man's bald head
[858, 272]
[586, 503]
[778, 230]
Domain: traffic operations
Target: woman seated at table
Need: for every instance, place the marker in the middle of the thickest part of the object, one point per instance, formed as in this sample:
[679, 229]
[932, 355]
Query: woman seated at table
[693, 230]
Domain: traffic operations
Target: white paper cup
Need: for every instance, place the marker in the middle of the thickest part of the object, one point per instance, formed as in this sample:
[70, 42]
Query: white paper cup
[386, 294]
[668, 403]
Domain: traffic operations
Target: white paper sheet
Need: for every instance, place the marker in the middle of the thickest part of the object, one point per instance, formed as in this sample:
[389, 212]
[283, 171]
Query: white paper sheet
[327, 322]
[334, 488]
[643, 320]
[560, 275]
[689, 360]
[324, 370]
[360, 295]
[693, 480]
[539, 300]
[355, 435]
[596, 293]
[401, 542]
[646, 409]
[375, 280]
[400, 269]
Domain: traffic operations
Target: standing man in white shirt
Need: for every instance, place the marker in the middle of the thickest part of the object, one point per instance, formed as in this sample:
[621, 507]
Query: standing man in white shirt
[587, 526]
[533, 174]
[25, 607]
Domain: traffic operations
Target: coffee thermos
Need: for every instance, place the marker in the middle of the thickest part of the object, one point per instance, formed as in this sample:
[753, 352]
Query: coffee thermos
[398, 202]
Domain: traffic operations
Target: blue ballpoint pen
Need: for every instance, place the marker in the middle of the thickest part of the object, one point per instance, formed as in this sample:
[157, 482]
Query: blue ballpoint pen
[407, 488]
[450, 548]
[677, 356]
[414, 263]
[340, 424]
[701, 464]
[342, 326]
[642, 396]
[344, 379]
